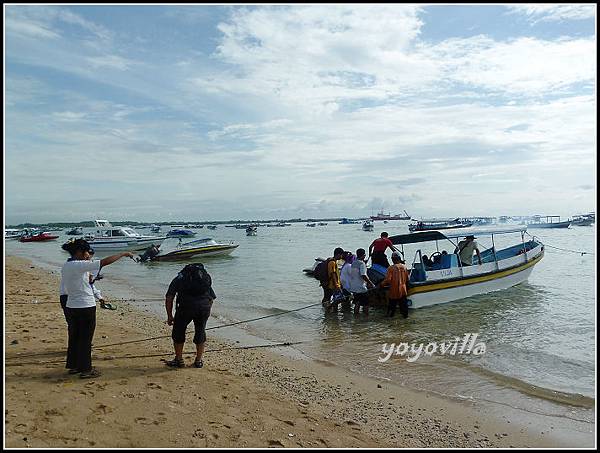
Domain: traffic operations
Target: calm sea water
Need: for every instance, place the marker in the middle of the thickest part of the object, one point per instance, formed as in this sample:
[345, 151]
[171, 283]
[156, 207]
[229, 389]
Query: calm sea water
[539, 335]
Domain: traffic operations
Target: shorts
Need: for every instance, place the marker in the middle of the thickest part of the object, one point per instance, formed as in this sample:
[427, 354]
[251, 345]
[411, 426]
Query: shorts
[199, 313]
[361, 299]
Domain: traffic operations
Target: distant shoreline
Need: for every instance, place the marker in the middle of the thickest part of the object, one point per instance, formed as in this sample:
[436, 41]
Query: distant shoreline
[90, 224]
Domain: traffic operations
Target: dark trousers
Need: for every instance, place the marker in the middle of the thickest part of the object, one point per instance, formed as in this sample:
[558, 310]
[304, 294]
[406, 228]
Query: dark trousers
[380, 258]
[402, 303]
[82, 324]
[63, 304]
[327, 293]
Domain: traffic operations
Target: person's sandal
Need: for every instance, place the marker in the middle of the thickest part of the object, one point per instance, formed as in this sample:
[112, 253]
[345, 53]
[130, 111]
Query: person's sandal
[198, 363]
[93, 373]
[175, 363]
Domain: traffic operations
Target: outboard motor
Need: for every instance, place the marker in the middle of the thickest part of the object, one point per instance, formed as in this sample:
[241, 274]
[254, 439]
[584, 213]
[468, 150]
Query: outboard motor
[149, 253]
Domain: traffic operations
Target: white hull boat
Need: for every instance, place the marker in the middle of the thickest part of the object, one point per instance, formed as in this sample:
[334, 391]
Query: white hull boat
[448, 280]
[108, 237]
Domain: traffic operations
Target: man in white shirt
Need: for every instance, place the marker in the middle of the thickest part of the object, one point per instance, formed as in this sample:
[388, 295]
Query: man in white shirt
[359, 281]
[465, 250]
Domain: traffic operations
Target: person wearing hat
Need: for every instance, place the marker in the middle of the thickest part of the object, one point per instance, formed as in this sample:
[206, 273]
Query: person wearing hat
[397, 280]
[80, 304]
[465, 250]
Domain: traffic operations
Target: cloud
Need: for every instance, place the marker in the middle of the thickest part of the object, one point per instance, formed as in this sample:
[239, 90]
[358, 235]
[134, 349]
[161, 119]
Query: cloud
[553, 13]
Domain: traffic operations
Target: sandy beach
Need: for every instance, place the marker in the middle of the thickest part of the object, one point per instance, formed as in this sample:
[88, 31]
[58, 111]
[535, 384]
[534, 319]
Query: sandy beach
[241, 398]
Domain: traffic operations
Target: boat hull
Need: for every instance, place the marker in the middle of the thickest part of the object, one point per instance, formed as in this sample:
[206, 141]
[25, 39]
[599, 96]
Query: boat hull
[564, 224]
[140, 244]
[38, 238]
[484, 286]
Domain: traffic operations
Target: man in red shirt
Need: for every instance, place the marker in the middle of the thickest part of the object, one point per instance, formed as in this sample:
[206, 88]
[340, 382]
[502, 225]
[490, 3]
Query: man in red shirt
[377, 250]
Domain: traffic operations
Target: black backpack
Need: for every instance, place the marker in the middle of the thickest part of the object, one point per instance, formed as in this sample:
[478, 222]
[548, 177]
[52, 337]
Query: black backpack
[321, 272]
[195, 280]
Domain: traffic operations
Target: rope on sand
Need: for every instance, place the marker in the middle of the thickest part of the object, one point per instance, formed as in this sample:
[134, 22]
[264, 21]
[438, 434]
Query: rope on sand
[168, 336]
[49, 362]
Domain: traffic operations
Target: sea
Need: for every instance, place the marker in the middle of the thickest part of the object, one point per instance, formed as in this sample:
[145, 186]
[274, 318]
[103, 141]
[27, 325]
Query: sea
[539, 336]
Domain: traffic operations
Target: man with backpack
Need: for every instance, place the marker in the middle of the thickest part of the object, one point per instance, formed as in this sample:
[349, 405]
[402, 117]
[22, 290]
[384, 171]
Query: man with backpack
[328, 274]
[193, 288]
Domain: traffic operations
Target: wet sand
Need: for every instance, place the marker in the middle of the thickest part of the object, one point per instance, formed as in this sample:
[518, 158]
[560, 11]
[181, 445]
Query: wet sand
[241, 398]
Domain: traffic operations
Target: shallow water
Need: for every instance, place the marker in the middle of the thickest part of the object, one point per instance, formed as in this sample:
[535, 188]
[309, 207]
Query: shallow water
[539, 335]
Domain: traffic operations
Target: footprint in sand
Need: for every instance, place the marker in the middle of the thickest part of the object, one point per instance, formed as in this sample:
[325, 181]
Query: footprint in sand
[143, 421]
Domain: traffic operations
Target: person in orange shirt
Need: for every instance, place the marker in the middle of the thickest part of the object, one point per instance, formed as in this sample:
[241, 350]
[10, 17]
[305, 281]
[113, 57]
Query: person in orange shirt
[397, 280]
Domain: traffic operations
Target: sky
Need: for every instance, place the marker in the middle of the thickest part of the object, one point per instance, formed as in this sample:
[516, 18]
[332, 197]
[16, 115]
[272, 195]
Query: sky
[208, 112]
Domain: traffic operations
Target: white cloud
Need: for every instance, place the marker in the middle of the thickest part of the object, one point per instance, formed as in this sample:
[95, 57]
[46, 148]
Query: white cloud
[553, 12]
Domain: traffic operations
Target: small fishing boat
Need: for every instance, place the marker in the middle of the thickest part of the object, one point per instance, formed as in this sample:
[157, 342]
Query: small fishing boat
[39, 237]
[448, 280]
[155, 228]
[180, 233]
[200, 247]
[346, 221]
[77, 231]
[438, 224]
[109, 237]
[368, 225]
[549, 221]
[211, 227]
[251, 230]
[322, 223]
[312, 225]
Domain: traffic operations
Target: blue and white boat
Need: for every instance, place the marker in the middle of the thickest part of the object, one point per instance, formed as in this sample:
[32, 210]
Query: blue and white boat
[448, 280]
[180, 233]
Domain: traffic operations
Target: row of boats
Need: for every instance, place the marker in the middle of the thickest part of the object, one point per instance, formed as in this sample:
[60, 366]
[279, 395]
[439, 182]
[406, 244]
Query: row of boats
[109, 238]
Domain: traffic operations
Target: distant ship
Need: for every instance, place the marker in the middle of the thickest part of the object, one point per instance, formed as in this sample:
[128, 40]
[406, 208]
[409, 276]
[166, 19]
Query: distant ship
[381, 216]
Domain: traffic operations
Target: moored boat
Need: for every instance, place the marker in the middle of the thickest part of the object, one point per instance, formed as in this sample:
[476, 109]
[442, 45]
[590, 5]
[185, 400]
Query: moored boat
[251, 230]
[584, 220]
[39, 237]
[200, 247]
[448, 280]
[438, 224]
[180, 233]
[368, 225]
[381, 216]
[12, 233]
[551, 221]
[109, 237]
[75, 231]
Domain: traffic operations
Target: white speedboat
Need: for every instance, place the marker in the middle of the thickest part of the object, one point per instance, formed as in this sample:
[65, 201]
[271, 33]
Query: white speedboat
[11, 233]
[448, 280]
[108, 237]
[368, 225]
[199, 247]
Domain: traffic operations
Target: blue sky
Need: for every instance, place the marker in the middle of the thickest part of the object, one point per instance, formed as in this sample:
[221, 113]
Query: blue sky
[223, 112]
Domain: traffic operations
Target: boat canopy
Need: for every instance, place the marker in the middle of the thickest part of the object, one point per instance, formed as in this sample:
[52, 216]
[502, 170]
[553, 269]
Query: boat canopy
[433, 235]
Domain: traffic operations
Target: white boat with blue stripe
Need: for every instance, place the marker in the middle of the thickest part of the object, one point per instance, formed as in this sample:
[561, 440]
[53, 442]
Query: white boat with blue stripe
[446, 279]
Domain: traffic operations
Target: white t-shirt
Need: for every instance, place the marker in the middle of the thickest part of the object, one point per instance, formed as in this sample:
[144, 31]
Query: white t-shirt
[75, 283]
[345, 276]
[466, 253]
[357, 270]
